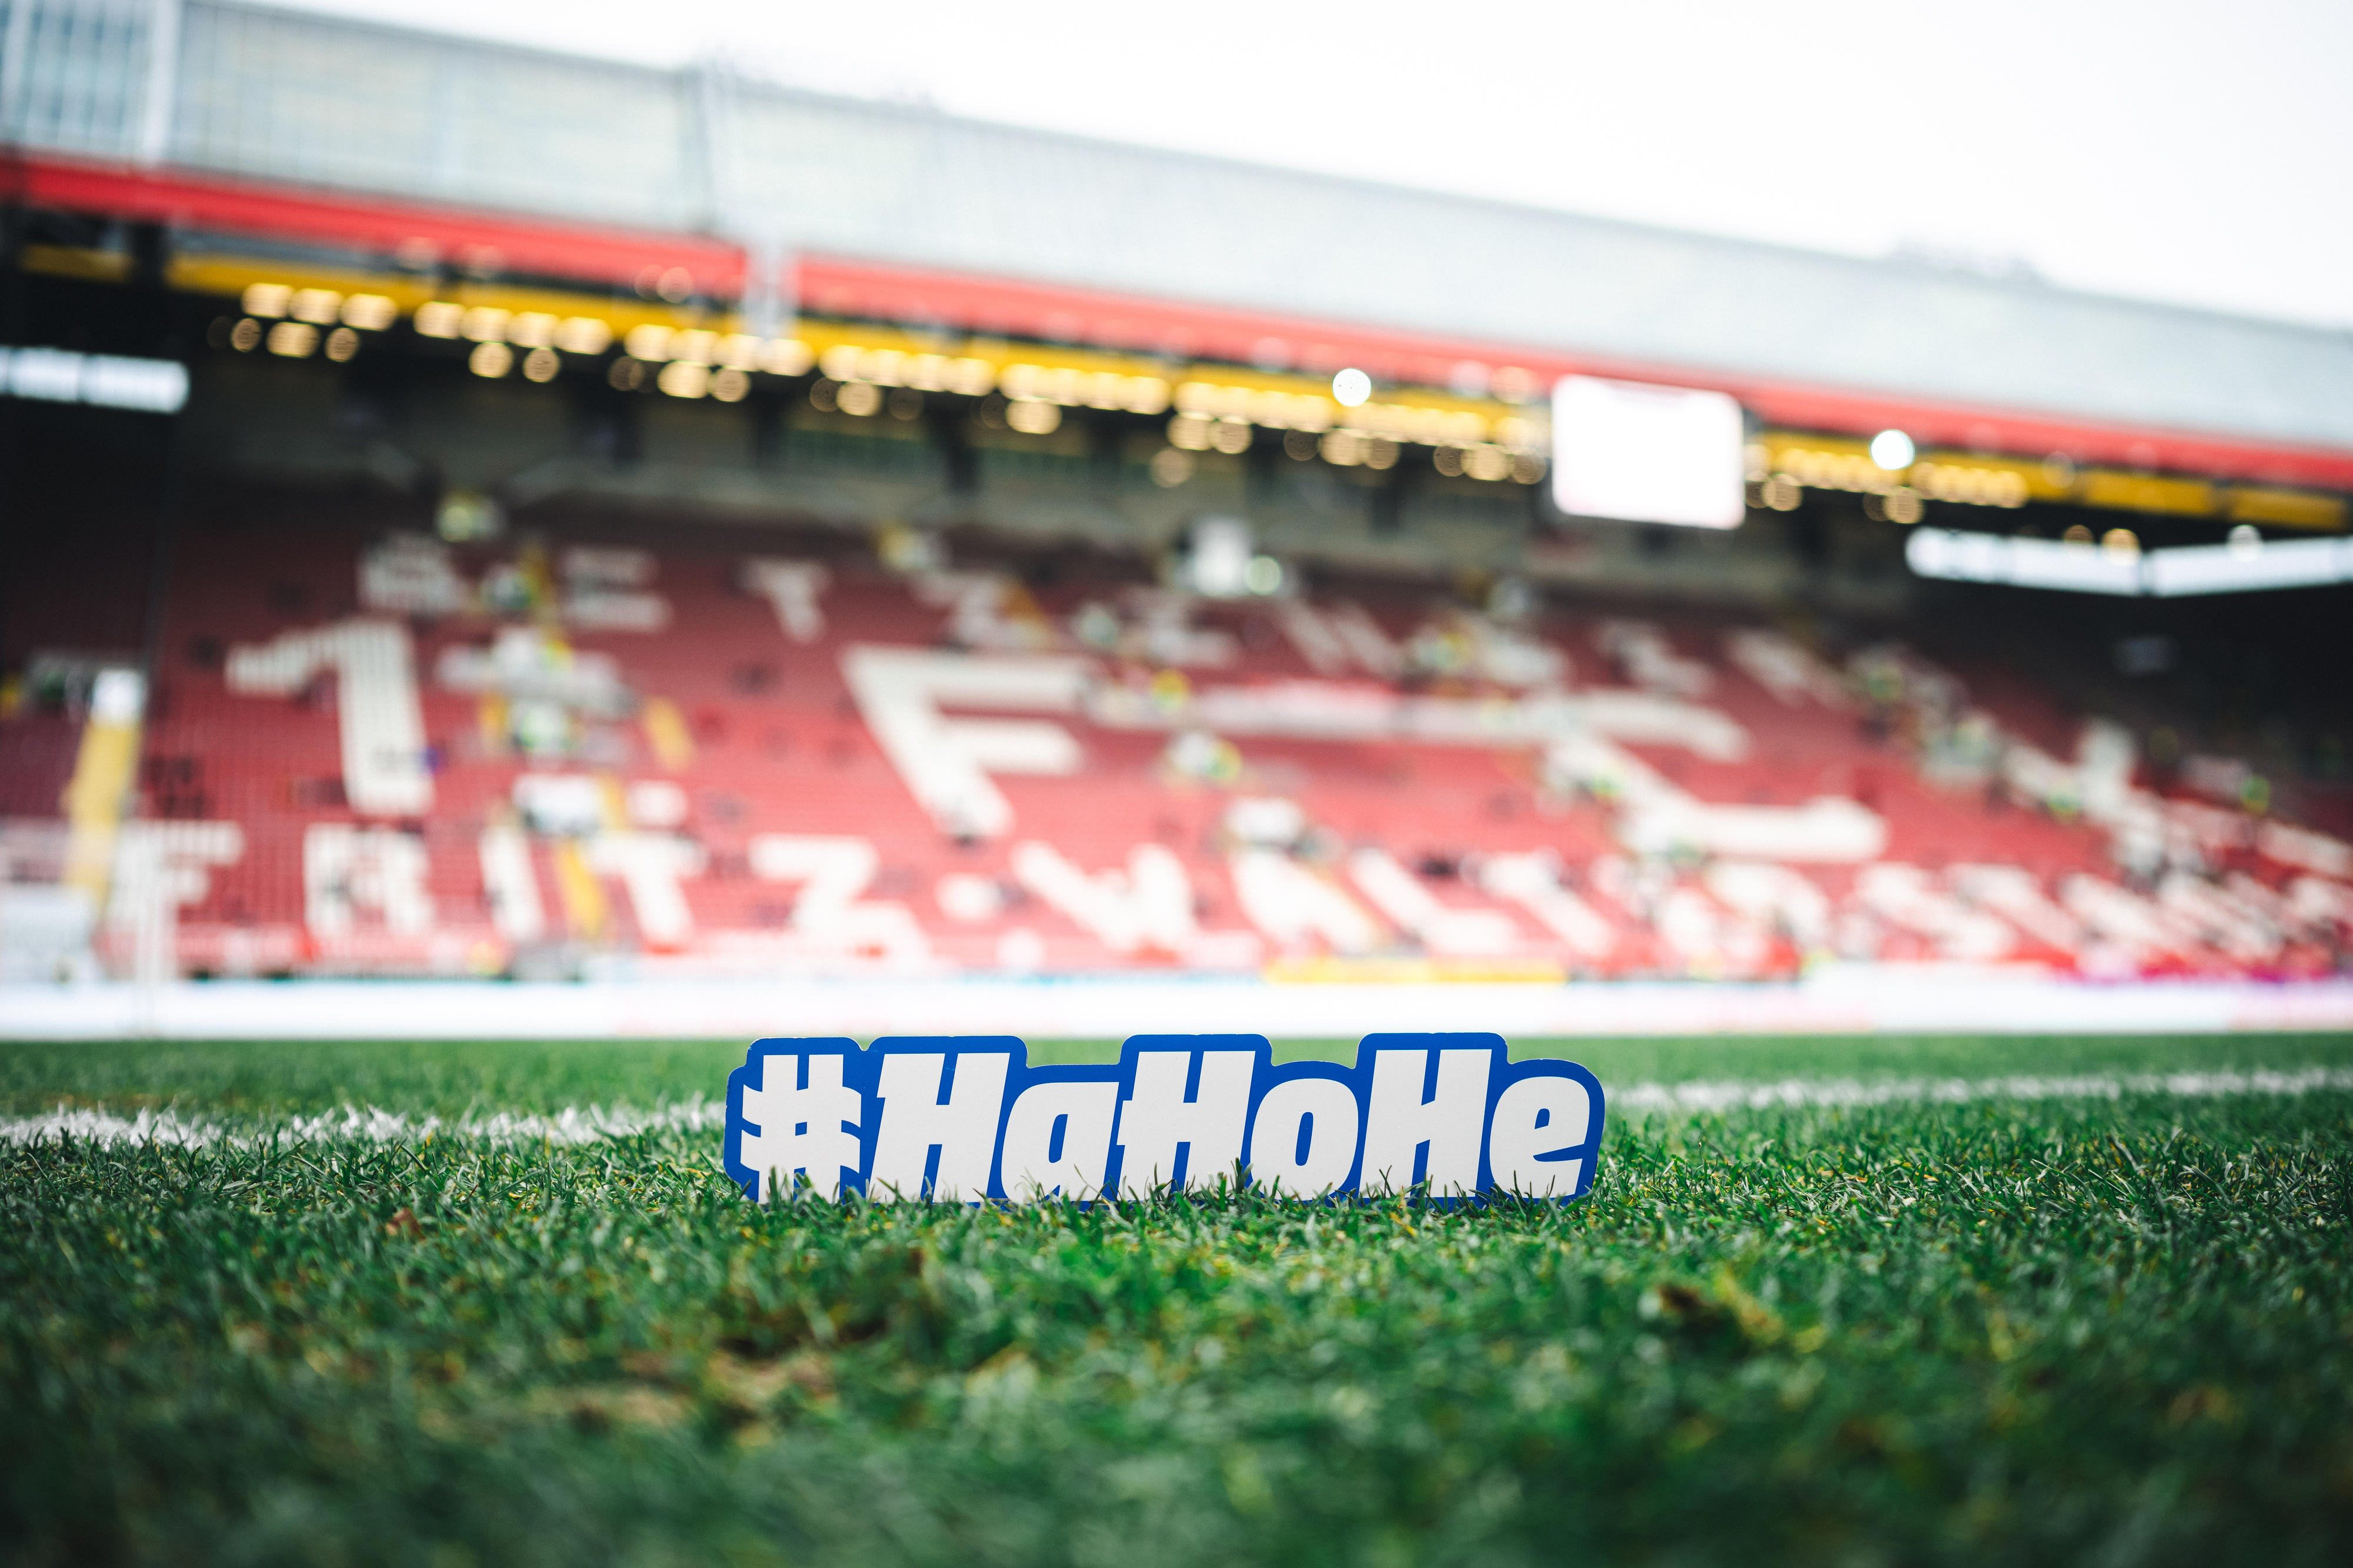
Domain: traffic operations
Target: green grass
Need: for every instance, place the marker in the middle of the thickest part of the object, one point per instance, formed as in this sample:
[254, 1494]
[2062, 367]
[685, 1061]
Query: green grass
[248, 1078]
[2115, 1331]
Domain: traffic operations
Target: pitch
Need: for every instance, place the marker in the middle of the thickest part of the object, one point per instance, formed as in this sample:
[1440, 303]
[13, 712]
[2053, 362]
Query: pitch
[1950, 1300]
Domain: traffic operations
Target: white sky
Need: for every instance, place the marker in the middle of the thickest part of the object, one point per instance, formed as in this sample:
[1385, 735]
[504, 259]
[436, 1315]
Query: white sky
[2202, 154]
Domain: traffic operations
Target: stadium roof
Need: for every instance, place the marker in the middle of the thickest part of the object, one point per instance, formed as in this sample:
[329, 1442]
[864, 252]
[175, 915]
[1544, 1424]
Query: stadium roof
[287, 99]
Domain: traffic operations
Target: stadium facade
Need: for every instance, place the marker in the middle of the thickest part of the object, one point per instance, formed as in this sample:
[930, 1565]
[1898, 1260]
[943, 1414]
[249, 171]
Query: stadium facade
[475, 511]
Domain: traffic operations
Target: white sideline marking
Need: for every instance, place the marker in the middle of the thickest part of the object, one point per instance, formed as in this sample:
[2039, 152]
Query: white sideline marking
[585, 1124]
[1804, 1092]
[573, 1124]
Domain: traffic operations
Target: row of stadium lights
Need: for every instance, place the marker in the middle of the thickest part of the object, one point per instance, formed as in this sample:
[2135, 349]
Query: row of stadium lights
[1211, 416]
[295, 323]
[302, 322]
[696, 362]
[1895, 484]
[1348, 447]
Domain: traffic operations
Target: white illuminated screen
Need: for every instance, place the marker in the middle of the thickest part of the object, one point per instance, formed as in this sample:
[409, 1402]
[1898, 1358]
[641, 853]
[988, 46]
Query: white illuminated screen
[1646, 454]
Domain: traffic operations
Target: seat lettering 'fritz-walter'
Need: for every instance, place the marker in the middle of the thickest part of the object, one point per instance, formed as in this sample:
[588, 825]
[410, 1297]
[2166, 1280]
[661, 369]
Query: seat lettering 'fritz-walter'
[966, 1119]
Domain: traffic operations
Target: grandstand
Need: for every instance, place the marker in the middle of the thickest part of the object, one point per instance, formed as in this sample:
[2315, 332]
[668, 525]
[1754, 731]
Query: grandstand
[726, 542]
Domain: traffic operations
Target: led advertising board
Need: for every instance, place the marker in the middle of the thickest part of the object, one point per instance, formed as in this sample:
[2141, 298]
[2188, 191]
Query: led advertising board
[1638, 452]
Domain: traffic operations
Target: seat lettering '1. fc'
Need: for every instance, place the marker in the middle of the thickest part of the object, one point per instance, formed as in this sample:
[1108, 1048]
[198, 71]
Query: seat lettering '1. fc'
[966, 1119]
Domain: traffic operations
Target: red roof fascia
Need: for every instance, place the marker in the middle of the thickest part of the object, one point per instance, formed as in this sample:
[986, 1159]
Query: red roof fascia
[477, 240]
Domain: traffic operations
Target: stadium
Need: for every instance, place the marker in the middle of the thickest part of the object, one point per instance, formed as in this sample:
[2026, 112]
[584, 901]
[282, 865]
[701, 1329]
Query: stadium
[526, 574]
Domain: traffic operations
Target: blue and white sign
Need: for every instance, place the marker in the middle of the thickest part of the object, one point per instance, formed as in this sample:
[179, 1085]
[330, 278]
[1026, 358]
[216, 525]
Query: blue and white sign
[966, 1119]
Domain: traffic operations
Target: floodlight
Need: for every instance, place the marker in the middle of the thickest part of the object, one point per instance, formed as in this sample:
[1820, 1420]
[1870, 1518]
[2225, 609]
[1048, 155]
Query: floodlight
[1351, 387]
[1892, 450]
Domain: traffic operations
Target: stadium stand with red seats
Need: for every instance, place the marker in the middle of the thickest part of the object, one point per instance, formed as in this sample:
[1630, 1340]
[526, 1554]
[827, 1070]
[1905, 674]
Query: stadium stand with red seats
[560, 758]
